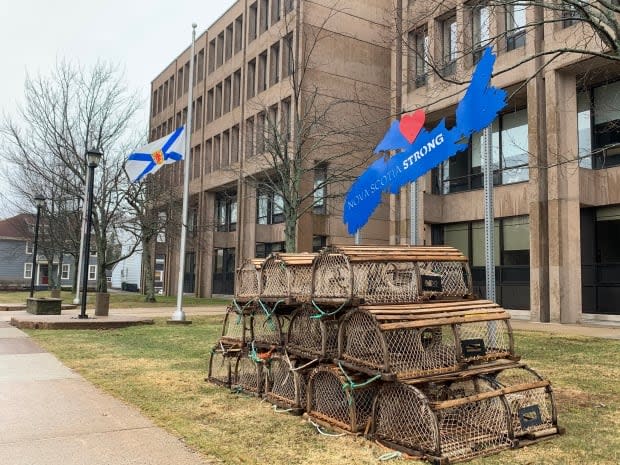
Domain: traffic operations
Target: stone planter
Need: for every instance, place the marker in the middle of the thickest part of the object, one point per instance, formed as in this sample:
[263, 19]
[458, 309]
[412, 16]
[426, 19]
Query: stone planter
[43, 306]
[102, 304]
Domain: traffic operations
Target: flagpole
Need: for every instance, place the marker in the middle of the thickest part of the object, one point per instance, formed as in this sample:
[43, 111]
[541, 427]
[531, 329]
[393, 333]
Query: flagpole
[76, 299]
[179, 314]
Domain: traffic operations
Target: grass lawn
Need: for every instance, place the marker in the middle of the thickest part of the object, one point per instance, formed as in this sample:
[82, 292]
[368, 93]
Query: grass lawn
[117, 299]
[161, 369]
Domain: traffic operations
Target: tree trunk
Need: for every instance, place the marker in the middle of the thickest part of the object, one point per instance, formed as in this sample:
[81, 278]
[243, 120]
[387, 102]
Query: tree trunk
[290, 235]
[59, 272]
[147, 269]
[102, 282]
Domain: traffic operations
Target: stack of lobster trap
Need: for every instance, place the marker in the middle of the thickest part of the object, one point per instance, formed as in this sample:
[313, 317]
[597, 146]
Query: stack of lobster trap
[388, 342]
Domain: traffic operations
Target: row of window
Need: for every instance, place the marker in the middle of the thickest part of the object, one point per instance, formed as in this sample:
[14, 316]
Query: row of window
[479, 18]
[229, 42]
[64, 273]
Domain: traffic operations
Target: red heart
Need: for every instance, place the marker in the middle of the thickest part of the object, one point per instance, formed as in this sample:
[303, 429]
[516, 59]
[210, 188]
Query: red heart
[411, 124]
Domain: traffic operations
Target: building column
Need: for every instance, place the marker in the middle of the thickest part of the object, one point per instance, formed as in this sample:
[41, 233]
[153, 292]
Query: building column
[563, 199]
[537, 199]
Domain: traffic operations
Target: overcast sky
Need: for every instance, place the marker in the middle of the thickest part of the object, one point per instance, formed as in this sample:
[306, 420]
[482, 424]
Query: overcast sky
[142, 36]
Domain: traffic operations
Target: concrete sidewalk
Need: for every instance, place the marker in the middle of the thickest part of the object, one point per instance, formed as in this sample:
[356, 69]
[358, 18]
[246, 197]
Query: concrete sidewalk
[49, 415]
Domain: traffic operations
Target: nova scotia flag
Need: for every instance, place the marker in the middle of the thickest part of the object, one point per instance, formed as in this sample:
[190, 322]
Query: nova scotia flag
[152, 157]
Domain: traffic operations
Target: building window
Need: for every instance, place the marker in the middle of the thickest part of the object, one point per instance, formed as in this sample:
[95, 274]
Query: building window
[252, 26]
[161, 235]
[29, 248]
[318, 243]
[598, 123]
[264, 15]
[92, 272]
[66, 268]
[264, 249]
[226, 212]
[229, 43]
[27, 270]
[287, 56]
[448, 44]
[569, 15]
[285, 119]
[481, 32]
[218, 101]
[200, 65]
[274, 66]
[260, 132]
[320, 190]
[262, 72]
[236, 90]
[249, 137]
[511, 256]
[251, 90]
[227, 94]
[219, 60]
[418, 56]
[211, 61]
[275, 11]
[463, 171]
[269, 208]
[238, 34]
[288, 6]
[515, 25]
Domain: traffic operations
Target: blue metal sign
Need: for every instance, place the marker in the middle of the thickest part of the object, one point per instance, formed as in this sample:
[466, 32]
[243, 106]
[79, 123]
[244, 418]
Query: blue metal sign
[419, 150]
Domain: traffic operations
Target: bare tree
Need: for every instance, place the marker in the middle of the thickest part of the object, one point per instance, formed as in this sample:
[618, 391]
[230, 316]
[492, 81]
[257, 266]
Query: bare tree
[312, 144]
[65, 114]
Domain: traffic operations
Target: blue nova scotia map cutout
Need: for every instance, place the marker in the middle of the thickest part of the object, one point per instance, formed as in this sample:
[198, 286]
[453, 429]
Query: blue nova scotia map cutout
[420, 150]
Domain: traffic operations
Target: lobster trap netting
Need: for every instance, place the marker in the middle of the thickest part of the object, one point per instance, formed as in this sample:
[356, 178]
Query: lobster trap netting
[266, 327]
[312, 335]
[532, 406]
[445, 279]
[331, 278]
[401, 352]
[248, 280]
[485, 340]
[469, 426]
[219, 371]
[236, 327]
[340, 400]
[248, 375]
[286, 383]
[385, 282]
[287, 276]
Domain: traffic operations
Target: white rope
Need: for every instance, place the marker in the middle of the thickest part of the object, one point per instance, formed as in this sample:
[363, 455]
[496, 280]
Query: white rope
[318, 428]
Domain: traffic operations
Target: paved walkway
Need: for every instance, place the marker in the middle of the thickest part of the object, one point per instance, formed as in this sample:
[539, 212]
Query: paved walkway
[49, 415]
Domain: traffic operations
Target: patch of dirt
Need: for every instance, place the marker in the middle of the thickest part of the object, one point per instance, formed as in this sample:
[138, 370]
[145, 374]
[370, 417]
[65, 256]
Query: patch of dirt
[566, 398]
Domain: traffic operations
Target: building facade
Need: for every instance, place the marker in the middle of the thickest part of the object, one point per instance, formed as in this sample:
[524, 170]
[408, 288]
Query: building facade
[248, 71]
[16, 264]
[555, 154]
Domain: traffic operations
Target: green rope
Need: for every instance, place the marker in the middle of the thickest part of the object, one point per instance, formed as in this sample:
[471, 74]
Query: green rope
[322, 313]
[269, 313]
[351, 385]
[239, 310]
[390, 455]
[253, 355]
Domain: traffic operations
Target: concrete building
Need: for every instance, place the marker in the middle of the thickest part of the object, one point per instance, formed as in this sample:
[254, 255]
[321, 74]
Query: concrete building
[555, 149]
[244, 68]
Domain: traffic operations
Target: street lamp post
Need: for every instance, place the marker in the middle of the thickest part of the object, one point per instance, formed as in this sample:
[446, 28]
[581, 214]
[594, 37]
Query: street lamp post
[93, 156]
[39, 201]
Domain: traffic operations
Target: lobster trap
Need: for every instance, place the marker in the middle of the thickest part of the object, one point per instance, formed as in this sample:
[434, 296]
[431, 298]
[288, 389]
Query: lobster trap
[340, 400]
[286, 383]
[287, 277]
[312, 334]
[236, 330]
[446, 422]
[248, 375]
[221, 360]
[267, 328]
[247, 286]
[416, 340]
[390, 274]
[531, 402]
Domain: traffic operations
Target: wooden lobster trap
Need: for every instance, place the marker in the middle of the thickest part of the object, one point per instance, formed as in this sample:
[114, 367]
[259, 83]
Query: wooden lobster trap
[287, 277]
[531, 402]
[416, 340]
[312, 335]
[286, 383]
[445, 423]
[340, 400]
[389, 274]
[221, 360]
[248, 375]
[236, 330]
[247, 286]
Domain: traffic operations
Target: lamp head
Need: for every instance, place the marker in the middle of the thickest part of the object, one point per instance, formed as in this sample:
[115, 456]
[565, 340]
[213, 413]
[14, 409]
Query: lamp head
[39, 200]
[93, 157]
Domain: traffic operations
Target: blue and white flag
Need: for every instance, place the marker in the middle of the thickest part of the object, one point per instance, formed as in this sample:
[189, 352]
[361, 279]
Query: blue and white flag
[151, 157]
